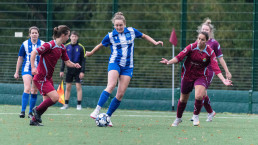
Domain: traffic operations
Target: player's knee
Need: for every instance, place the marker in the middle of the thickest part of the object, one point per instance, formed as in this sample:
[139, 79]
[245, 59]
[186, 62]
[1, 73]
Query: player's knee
[79, 89]
[110, 88]
[199, 97]
[68, 88]
[55, 98]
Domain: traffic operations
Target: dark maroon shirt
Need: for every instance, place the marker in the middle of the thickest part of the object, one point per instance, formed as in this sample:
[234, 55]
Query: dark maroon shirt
[216, 47]
[197, 61]
[49, 53]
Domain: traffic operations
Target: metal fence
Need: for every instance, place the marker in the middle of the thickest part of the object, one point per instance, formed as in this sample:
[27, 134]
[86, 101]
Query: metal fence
[233, 22]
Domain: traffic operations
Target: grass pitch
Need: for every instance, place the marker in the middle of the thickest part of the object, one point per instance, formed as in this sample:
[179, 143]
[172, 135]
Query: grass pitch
[72, 127]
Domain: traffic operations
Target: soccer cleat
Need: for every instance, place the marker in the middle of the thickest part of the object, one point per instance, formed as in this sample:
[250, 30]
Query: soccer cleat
[35, 123]
[176, 122]
[36, 115]
[65, 106]
[30, 115]
[22, 115]
[79, 107]
[110, 124]
[210, 116]
[196, 121]
[94, 114]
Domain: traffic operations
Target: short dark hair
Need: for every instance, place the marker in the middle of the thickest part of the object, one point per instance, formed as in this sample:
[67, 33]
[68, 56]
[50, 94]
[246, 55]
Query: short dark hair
[75, 33]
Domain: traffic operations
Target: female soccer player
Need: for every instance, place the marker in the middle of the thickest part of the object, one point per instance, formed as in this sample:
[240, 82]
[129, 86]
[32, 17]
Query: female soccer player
[120, 68]
[194, 74]
[49, 54]
[24, 54]
[209, 28]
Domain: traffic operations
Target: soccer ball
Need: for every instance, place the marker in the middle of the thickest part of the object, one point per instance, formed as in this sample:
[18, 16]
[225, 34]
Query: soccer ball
[102, 120]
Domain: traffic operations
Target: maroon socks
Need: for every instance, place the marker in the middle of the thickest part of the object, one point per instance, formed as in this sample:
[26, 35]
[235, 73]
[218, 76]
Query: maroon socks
[44, 105]
[206, 104]
[180, 109]
[197, 107]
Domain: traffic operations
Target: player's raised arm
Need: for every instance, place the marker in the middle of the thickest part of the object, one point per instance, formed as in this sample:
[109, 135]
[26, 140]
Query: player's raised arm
[95, 49]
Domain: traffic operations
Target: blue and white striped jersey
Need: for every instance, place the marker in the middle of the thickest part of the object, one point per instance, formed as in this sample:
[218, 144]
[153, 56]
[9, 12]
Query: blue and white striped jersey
[122, 46]
[25, 51]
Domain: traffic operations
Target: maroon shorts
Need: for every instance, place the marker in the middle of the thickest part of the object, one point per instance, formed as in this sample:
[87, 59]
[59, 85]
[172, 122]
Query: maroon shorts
[187, 86]
[44, 87]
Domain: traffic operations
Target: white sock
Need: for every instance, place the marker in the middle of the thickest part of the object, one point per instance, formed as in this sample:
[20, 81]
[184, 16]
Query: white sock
[98, 108]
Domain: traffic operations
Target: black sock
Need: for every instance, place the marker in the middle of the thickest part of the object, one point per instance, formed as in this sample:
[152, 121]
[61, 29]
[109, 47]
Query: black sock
[79, 102]
[66, 101]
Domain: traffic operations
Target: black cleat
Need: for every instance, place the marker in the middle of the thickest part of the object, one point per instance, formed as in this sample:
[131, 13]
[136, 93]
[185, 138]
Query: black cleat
[30, 115]
[36, 114]
[22, 115]
[35, 123]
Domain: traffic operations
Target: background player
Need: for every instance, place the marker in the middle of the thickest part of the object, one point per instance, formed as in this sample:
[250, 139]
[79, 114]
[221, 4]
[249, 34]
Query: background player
[24, 59]
[209, 28]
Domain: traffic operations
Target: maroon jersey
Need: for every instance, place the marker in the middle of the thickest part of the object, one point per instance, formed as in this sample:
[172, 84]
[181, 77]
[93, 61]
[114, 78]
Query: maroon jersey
[196, 63]
[49, 54]
[216, 47]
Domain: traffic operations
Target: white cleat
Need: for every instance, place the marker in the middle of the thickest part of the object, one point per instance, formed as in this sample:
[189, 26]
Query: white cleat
[79, 107]
[110, 124]
[94, 114]
[65, 106]
[176, 122]
[210, 116]
[196, 121]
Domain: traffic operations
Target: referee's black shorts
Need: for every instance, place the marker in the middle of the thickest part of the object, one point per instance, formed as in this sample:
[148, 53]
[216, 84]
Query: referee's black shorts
[73, 73]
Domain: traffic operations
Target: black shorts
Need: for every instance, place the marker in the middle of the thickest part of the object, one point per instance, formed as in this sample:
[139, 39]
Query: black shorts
[73, 73]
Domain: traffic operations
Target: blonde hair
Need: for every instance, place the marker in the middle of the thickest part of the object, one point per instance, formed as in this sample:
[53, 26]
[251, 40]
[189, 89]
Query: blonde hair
[61, 29]
[207, 22]
[118, 16]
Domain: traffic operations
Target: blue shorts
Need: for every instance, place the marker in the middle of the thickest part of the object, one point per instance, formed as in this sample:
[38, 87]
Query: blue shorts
[27, 73]
[121, 70]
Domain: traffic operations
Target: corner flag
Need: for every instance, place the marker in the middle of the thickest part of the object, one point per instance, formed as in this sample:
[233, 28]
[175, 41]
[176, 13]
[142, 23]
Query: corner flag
[173, 39]
[60, 91]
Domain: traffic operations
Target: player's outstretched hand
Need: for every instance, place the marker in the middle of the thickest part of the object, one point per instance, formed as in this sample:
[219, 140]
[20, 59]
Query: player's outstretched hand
[159, 42]
[88, 54]
[228, 82]
[164, 61]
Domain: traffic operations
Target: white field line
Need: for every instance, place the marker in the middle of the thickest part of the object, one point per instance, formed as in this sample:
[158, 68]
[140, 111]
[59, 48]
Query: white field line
[143, 115]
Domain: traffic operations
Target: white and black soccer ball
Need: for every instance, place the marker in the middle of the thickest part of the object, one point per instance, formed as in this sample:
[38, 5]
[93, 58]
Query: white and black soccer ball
[102, 120]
